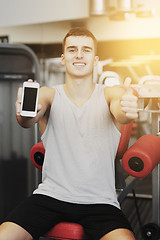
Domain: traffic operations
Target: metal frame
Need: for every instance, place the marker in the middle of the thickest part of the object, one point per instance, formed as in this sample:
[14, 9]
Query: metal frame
[156, 175]
[22, 50]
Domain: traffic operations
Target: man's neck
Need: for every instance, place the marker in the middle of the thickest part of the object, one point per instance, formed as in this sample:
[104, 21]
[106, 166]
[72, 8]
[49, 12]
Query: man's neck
[79, 90]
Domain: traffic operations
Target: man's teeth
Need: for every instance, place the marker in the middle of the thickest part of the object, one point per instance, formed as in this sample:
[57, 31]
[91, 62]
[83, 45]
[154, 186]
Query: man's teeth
[79, 64]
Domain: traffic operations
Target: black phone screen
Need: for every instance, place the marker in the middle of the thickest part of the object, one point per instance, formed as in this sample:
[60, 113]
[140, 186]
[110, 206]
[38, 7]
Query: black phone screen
[29, 101]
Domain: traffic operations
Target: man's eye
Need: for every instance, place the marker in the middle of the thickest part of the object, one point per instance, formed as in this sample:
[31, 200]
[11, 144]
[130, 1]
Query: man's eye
[71, 50]
[87, 50]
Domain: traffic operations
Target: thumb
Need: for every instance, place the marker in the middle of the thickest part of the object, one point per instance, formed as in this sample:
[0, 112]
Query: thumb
[19, 95]
[39, 107]
[127, 84]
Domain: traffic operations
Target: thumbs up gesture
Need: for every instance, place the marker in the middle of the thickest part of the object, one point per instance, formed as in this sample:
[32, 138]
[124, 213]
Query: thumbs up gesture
[129, 100]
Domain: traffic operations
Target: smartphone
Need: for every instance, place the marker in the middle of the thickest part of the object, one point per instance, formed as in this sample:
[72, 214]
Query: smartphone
[29, 99]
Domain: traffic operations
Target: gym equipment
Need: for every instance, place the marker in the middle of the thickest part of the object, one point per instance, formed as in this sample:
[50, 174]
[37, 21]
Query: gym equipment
[109, 78]
[67, 231]
[149, 95]
[140, 159]
[37, 155]
[151, 231]
[17, 175]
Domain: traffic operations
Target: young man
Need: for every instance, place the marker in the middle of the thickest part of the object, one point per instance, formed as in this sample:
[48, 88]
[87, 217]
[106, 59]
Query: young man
[79, 124]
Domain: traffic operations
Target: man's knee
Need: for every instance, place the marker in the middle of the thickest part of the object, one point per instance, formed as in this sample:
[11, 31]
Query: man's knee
[120, 234]
[12, 231]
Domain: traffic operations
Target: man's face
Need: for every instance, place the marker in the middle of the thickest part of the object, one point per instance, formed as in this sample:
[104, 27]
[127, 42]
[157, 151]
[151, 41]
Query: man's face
[79, 56]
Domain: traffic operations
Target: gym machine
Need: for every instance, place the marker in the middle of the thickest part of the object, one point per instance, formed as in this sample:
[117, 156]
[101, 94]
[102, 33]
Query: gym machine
[17, 175]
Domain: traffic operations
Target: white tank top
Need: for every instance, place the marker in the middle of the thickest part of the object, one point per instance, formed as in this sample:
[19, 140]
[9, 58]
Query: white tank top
[81, 145]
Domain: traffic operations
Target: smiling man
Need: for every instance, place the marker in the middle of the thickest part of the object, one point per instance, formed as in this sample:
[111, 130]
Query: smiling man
[79, 123]
[79, 56]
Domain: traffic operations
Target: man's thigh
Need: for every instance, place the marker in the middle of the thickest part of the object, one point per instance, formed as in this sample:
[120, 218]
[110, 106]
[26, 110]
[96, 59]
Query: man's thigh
[104, 220]
[12, 231]
[37, 214]
[120, 234]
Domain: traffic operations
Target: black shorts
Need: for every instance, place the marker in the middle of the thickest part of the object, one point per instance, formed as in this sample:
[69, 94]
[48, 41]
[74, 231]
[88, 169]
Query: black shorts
[39, 213]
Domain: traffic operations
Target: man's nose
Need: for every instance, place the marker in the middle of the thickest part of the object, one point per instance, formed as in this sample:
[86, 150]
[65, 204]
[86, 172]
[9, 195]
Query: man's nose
[79, 53]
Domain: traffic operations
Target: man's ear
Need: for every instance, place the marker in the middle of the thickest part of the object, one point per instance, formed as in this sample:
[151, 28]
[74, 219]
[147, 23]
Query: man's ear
[96, 59]
[62, 59]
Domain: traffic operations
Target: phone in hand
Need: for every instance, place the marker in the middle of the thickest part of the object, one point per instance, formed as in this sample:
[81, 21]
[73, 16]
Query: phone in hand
[29, 99]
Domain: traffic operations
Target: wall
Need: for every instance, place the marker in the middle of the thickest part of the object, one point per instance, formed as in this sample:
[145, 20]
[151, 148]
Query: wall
[37, 33]
[18, 12]
[133, 28]
[50, 22]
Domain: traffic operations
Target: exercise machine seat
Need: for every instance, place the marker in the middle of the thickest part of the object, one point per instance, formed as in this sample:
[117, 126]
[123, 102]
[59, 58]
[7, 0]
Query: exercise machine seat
[66, 230]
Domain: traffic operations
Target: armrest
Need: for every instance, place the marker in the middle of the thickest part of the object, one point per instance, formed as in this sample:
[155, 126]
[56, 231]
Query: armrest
[124, 139]
[140, 159]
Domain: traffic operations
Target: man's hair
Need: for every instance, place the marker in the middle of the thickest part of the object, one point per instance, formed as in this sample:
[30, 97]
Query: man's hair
[79, 31]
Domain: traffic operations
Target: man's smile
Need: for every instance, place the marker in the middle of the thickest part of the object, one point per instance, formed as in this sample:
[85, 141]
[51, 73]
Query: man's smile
[79, 64]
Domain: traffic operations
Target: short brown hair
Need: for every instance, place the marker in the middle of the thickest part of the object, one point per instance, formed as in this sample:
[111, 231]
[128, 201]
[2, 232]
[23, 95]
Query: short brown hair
[79, 31]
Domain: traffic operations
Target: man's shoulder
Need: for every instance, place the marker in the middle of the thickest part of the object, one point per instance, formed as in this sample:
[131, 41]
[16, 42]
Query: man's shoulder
[47, 93]
[114, 90]
[45, 89]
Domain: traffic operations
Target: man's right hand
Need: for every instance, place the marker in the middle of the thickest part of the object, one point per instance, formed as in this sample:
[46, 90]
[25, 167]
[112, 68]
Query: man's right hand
[129, 101]
[19, 100]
